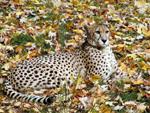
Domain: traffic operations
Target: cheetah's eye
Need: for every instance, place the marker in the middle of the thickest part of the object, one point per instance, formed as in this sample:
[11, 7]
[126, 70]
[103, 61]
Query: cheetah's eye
[98, 32]
[107, 31]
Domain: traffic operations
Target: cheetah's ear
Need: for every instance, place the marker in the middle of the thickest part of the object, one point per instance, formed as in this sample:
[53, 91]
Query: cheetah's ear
[106, 24]
[89, 30]
[86, 30]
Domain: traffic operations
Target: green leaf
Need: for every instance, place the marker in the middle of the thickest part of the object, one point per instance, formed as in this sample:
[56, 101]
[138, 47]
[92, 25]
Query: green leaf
[51, 16]
[128, 96]
[62, 34]
[146, 100]
[120, 84]
[21, 39]
[40, 42]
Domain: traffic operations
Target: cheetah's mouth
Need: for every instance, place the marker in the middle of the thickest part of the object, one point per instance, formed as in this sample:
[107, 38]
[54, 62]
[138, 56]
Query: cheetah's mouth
[102, 45]
[99, 46]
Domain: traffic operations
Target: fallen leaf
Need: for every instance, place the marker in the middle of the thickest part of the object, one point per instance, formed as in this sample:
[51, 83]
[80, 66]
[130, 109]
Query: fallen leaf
[33, 53]
[137, 82]
[105, 109]
[27, 105]
[17, 104]
[141, 107]
[78, 31]
[19, 49]
[130, 103]
[1, 111]
[95, 78]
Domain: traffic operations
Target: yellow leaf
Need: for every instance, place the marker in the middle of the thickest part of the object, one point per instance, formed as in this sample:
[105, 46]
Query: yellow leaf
[1, 55]
[29, 44]
[137, 82]
[17, 1]
[69, 25]
[80, 16]
[17, 57]
[72, 41]
[144, 66]
[75, 2]
[119, 33]
[18, 13]
[95, 78]
[10, 111]
[120, 47]
[146, 33]
[148, 92]
[105, 109]
[35, 1]
[139, 3]
[77, 38]
[7, 66]
[123, 66]
[132, 71]
[114, 1]
[79, 81]
[2, 111]
[19, 49]
[118, 19]
[78, 31]
[141, 28]
[32, 53]
[134, 56]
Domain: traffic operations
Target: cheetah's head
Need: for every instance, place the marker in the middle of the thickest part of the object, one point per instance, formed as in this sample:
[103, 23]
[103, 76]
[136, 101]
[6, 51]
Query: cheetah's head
[98, 36]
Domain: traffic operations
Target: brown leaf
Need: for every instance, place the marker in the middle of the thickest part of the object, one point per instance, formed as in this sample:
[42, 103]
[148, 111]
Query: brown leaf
[105, 109]
[19, 49]
[33, 53]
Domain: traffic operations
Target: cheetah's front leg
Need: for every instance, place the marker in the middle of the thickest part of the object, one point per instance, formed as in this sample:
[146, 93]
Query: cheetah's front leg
[119, 75]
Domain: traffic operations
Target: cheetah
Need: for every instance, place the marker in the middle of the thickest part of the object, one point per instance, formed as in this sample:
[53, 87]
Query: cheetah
[51, 71]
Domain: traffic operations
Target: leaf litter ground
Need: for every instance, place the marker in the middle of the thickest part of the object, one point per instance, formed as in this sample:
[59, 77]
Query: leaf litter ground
[48, 26]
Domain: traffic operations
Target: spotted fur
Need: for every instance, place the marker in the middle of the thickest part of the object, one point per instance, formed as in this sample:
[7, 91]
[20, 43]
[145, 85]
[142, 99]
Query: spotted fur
[54, 70]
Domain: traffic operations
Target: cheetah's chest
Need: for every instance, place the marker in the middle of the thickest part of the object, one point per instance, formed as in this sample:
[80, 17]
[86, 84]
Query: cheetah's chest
[101, 62]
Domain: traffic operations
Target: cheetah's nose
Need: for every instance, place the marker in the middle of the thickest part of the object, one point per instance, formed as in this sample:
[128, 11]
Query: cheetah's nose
[104, 40]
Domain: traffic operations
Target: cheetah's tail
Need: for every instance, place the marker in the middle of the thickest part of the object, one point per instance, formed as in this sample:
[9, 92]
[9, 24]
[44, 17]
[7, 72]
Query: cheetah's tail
[25, 97]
